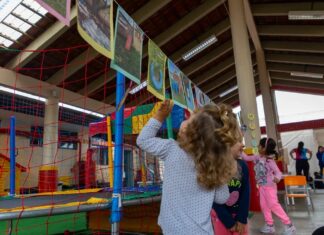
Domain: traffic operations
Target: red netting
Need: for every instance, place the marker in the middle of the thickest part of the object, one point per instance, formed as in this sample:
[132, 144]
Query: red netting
[63, 168]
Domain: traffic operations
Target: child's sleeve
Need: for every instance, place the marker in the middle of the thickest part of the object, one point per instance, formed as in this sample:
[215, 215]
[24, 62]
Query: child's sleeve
[224, 215]
[319, 156]
[276, 172]
[244, 199]
[151, 144]
[249, 158]
[221, 194]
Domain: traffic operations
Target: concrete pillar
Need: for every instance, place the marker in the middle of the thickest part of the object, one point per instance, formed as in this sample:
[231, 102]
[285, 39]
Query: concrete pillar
[84, 138]
[244, 73]
[276, 120]
[268, 105]
[48, 174]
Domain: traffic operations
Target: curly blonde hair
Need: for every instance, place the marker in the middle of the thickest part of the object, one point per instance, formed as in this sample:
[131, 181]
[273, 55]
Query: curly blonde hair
[208, 137]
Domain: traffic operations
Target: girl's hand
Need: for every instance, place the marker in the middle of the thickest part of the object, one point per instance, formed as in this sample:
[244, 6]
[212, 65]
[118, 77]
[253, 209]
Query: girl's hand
[240, 228]
[164, 110]
[233, 229]
[276, 180]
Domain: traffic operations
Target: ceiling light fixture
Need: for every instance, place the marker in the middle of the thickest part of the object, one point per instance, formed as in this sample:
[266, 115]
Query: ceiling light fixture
[306, 15]
[21, 93]
[67, 106]
[304, 74]
[228, 91]
[42, 99]
[199, 48]
[138, 88]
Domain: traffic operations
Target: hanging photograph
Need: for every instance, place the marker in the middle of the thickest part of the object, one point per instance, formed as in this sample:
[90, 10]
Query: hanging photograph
[207, 99]
[189, 94]
[176, 85]
[199, 97]
[95, 24]
[128, 47]
[156, 71]
[61, 9]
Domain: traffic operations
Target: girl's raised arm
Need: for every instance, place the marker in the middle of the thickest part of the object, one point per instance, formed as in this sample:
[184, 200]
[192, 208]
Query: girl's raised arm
[249, 158]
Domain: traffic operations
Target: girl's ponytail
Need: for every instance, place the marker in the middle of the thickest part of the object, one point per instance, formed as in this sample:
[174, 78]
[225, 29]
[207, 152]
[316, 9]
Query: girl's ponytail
[269, 145]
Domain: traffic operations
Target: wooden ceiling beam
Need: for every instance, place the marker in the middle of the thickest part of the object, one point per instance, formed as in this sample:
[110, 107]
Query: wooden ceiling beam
[166, 36]
[188, 20]
[219, 68]
[299, 86]
[291, 30]
[279, 86]
[233, 98]
[220, 89]
[43, 41]
[228, 98]
[296, 59]
[280, 67]
[217, 30]
[74, 66]
[291, 46]
[287, 77]
[215, 94]
[282, 9]
[208, 58]
[218, 81]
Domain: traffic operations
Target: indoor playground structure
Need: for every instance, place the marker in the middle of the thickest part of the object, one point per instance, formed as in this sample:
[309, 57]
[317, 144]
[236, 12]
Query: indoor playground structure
[85, 202]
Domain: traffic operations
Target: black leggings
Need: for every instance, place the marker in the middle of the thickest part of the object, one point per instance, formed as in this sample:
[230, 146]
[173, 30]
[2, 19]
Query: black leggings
[302, 165]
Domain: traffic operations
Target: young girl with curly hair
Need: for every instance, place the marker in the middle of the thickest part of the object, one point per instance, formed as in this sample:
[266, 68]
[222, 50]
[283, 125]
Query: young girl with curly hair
[197, 166]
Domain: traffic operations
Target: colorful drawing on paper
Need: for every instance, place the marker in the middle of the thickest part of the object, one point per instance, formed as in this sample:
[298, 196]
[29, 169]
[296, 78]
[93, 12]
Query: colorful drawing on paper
[189, 94]
[176, 84]
[207, 99]
[95, 24]
[128, 46]
[199, 97]
[156, 71]
[61, 9]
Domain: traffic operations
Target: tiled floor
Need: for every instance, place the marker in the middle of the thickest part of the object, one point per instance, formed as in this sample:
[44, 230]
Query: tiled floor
[304, 222]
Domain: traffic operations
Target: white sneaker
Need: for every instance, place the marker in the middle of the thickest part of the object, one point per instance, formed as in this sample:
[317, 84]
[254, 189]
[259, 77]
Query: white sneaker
[268, 229]
[290, 230]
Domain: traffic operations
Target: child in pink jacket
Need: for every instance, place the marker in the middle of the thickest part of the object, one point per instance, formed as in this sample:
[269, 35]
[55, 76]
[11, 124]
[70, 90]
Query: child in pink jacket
[267, 176]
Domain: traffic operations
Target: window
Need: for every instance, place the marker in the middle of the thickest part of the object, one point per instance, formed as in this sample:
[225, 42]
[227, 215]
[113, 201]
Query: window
[103, 156]
[68, 140]
[68, 145]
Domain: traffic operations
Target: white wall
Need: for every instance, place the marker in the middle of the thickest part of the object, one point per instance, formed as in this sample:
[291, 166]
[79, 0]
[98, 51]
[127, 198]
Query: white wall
[290, 140]
[31, 158]
[319, 133]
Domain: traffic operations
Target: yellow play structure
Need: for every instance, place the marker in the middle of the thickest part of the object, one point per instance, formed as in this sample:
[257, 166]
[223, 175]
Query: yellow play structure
[5, 172]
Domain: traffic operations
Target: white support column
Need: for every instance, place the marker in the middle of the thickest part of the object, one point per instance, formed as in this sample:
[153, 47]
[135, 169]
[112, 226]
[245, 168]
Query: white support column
[244, 72]
[50, 140]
